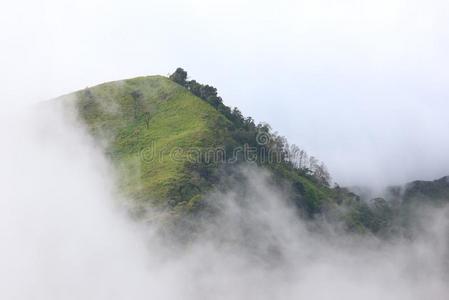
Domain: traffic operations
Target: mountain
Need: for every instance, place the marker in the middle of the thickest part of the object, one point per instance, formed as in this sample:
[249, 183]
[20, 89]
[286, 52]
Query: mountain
[436, 191]
[142, 122]
[173, 141]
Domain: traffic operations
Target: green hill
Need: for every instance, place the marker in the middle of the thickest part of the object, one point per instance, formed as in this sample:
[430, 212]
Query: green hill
[172, 141]
[142, 122]
[156, 133]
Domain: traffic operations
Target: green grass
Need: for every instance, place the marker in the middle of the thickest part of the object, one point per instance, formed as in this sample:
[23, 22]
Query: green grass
[143, 121]
[143, 134]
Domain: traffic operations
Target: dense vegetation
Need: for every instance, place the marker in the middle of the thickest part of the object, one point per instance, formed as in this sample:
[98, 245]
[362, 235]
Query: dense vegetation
[309, 178]
[271, 148]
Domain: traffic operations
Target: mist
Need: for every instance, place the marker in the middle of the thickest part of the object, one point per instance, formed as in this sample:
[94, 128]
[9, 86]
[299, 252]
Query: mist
[66, 234]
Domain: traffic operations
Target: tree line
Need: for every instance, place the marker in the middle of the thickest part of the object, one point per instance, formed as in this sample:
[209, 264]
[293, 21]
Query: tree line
[244, 130]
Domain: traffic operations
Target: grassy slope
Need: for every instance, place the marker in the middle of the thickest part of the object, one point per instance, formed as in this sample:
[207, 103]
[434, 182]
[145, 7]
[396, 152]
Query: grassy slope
[143, 120]
[141, 131]
[143, 134]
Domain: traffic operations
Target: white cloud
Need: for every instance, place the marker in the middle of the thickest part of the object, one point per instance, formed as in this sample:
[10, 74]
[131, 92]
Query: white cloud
[63, 237]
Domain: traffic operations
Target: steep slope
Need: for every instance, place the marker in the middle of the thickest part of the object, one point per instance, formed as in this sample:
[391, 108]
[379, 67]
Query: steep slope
[142, 123]
[157, 133]
[172, 141]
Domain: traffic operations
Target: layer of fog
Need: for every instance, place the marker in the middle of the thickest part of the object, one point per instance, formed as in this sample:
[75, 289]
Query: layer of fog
[65, 235]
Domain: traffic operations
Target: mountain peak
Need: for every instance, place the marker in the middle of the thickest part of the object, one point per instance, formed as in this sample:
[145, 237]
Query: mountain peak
[173, 141]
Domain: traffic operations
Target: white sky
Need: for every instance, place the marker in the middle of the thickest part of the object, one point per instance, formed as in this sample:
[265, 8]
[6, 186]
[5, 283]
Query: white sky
[363, 85]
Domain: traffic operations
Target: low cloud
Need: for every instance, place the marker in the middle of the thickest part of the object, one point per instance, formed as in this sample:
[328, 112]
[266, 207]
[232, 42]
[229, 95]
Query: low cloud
[65, 235]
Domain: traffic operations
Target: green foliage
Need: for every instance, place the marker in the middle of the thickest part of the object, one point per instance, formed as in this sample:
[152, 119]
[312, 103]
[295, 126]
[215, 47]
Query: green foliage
[271, 152]
[144, 119]
[309, 179]
[377, 216]
[179, 76]
[150, 116]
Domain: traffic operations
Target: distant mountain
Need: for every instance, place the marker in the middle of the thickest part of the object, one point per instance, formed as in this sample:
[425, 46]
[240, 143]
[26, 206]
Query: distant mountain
[173, 141]
[436, 191]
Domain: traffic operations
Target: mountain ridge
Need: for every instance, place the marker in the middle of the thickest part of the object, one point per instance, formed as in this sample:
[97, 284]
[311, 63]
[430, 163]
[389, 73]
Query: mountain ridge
[159, 134]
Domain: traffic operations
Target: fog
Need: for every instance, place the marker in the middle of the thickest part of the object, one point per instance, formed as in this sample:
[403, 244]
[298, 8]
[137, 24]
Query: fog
[65, 234]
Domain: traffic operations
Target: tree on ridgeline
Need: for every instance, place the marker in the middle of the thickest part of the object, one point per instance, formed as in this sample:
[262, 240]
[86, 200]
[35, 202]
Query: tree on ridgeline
[194, 87]
[180, 76]
[245, 131]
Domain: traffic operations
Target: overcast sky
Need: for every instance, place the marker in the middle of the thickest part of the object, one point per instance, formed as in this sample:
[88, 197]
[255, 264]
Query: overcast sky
[362, 85]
